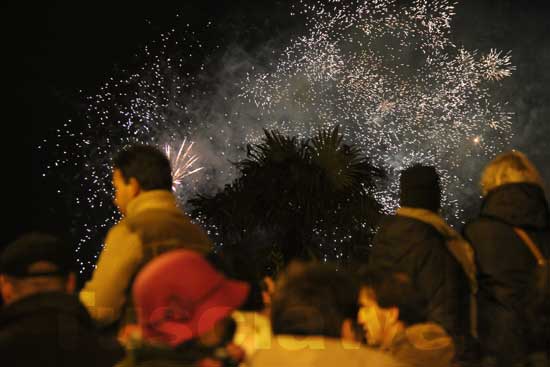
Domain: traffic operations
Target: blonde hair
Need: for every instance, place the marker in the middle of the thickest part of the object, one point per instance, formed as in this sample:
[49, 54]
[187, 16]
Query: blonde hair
[509, 167]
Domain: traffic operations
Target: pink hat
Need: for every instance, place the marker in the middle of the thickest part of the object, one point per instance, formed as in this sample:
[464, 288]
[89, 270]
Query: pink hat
[180, 296]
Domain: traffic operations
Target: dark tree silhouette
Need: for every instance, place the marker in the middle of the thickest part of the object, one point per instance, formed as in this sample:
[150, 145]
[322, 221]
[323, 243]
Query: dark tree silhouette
[310, 198]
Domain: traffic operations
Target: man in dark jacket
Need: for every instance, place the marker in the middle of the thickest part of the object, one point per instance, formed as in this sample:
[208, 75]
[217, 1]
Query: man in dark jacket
[513, 198]
[42, 322]
[416, 241]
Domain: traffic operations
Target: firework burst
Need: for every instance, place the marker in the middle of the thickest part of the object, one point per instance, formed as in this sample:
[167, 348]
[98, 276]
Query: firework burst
[400, 88]
[182, 163]
[389, 75]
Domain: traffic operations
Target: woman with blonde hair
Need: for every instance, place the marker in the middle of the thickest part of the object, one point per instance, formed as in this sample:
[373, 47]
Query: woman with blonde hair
[508, 168]
[513, 225]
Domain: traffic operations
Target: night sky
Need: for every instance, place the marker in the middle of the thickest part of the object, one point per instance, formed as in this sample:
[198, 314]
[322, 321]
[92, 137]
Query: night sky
[61, 47]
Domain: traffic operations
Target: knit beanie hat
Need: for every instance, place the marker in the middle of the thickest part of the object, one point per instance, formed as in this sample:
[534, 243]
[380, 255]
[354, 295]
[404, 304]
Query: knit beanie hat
[18, 257]
[419, 188]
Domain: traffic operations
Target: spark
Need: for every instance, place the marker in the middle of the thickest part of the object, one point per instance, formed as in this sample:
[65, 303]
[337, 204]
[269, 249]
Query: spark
[388, 74]
[399, 87]
[182, 164]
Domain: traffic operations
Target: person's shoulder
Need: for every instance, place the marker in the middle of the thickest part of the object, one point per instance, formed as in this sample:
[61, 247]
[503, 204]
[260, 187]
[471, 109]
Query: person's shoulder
[482, 225]
[480, 221]
[300, 351]
[122, 228]
[26, 327]
[122, 238]
[7, 332]
[490, 237]
[421, 229]
[405, 234]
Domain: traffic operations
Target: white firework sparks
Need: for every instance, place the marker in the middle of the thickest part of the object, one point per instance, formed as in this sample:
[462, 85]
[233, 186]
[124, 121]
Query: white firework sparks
[389, 75]
[182, 163]
[400, 88]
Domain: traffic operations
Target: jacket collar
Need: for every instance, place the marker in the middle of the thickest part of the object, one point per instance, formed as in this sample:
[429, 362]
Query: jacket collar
[154, 199]
[37, 304]
[429, 217]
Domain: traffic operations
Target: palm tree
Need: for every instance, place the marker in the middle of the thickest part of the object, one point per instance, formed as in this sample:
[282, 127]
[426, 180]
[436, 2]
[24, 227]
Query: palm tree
[296, 198]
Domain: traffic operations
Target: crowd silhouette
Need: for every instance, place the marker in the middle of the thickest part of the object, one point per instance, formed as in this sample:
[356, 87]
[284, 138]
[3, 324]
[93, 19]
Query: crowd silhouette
[162, 293]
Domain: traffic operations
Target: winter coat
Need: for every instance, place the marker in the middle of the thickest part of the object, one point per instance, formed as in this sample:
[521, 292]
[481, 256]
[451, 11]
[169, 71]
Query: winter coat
[153, 224]
[418, 249]
[423, 345]
[506, 266]
[53, 329]
[313, 351]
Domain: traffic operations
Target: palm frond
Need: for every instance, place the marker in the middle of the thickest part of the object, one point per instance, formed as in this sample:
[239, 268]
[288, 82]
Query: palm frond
[298, 197]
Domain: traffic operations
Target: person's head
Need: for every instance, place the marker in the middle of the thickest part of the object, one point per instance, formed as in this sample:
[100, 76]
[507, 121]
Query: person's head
[36, 263]
[420, 188]
[139, 168]
[507, 168]
[236, 265]
[315, 299]
[181, 298]
[388, 302]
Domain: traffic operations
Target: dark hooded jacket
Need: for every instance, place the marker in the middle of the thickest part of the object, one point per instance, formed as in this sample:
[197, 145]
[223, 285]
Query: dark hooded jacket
[404, 244]
[52, 329]
[505, 268]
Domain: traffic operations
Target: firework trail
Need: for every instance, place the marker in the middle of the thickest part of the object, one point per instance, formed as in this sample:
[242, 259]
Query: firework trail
[182, 164]
[389, 75]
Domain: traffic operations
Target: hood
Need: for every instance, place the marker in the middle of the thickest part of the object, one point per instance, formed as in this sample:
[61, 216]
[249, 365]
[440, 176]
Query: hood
[520, 204]
[424, 345]
[317, 351]
[44, 305]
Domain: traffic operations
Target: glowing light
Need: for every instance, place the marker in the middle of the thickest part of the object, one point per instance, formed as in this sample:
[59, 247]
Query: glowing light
[182, 162]
[388, 74]
[399, 87]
